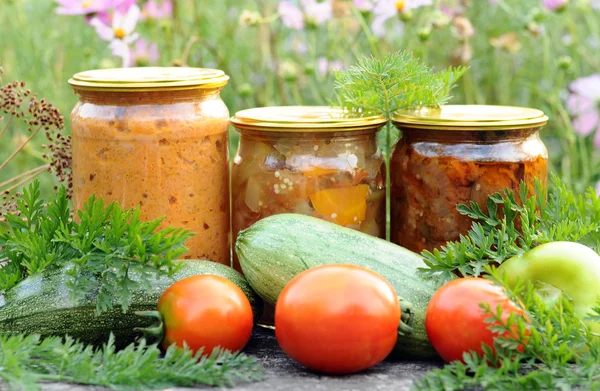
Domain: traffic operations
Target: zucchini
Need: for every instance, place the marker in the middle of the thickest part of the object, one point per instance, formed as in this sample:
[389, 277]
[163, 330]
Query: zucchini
[277, 248]
[40, 305]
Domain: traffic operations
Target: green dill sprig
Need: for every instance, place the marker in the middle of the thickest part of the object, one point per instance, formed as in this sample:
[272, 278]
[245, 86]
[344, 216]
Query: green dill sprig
[548, 348]
[105, 246]
[513, 224]
[397, 81]
[28, 360]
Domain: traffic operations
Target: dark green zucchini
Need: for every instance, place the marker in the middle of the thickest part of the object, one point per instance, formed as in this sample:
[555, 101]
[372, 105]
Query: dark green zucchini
[41, 305]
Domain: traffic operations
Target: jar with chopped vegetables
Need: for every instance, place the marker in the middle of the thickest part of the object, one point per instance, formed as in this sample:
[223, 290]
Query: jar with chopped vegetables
[453, 155]
[316, 161]
[157, 138]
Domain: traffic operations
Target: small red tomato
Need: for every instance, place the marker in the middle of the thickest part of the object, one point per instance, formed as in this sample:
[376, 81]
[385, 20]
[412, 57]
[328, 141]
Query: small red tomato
[206, 311]
[455, 323]
[337, 318]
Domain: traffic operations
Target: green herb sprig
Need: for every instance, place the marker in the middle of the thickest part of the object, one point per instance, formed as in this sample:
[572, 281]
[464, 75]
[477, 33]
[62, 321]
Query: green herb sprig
[397, 81]
[105, 246]
[27, 360]
[550, 350]
[514, 224]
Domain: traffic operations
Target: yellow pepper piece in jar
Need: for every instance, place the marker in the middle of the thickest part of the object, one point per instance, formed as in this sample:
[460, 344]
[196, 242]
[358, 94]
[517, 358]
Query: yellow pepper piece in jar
[315, 172]
[343, 206]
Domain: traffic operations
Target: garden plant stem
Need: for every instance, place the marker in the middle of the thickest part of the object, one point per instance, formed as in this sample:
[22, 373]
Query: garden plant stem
[36, 171]
[6, 125]
[20, 148]
[388, 151]
[368, 33]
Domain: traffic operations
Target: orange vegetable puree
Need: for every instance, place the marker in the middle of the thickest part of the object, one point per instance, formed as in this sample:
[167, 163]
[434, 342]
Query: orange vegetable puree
[170, 158]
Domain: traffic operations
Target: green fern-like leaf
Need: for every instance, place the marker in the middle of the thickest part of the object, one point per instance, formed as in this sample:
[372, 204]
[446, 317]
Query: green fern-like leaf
[394, 82]
[515, 223]
[105, 246]
[28, 360]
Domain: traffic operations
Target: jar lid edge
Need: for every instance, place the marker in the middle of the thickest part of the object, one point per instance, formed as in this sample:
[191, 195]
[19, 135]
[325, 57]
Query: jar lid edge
[308, 118]
[148, 78]
[471, 116]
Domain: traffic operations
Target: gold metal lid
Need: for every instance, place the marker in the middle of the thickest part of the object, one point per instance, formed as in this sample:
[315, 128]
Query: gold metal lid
[306, 118]
[470, 117]
[148, 79]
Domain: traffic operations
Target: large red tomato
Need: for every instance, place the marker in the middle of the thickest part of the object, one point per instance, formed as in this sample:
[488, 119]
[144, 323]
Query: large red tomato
[206, 311]
[337, 318]
[455, 323]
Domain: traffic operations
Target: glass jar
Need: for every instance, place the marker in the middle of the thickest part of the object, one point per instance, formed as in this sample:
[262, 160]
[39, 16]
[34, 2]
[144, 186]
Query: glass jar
[454, 155]
[316, 161]
[157, 138]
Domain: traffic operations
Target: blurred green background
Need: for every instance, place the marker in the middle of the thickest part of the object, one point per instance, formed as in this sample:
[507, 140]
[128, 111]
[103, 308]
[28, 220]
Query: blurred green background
[520, 52]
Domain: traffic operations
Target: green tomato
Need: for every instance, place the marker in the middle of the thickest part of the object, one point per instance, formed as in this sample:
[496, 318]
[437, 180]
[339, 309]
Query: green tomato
[571, 267]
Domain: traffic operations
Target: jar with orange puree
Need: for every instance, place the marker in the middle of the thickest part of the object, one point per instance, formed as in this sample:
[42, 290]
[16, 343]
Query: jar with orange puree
[157, 138]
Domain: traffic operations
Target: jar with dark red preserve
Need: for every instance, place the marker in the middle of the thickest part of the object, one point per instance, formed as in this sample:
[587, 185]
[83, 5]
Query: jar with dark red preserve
[454, 155]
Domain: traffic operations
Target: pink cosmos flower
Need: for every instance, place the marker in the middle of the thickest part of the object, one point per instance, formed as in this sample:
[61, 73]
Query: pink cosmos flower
[291, 15]
[324, 66]
[161, 9]
[144, 53]
[83, 7]
[93, 8]
[387, 9]
[121, 33]
[121, 6]
[555, 5]
[584, 105]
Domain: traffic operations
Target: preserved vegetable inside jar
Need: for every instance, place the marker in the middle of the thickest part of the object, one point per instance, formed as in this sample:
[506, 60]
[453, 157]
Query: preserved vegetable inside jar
[454, 156]
[308, 160]
[157, 138]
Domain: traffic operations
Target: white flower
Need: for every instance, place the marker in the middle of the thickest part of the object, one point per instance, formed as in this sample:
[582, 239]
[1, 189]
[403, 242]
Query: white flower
[364, 5]
[121, 33]
[317, 12]
[387, 9]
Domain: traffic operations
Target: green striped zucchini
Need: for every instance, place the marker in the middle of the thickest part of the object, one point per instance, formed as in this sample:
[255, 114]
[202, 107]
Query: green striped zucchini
[41, 305]
[277, 248]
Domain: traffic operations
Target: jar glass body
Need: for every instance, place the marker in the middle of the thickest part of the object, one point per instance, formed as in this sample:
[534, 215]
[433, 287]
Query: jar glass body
[164, 151]
[433, 171]
[335, 176]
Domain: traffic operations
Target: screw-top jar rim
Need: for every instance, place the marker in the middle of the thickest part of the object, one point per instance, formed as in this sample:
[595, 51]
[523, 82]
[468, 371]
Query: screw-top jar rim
[148, 79]
[315, 119]
[470, 117]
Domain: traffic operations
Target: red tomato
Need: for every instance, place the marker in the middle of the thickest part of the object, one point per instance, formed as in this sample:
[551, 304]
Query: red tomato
[206, 311]
[337, 318]
[455, 323]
